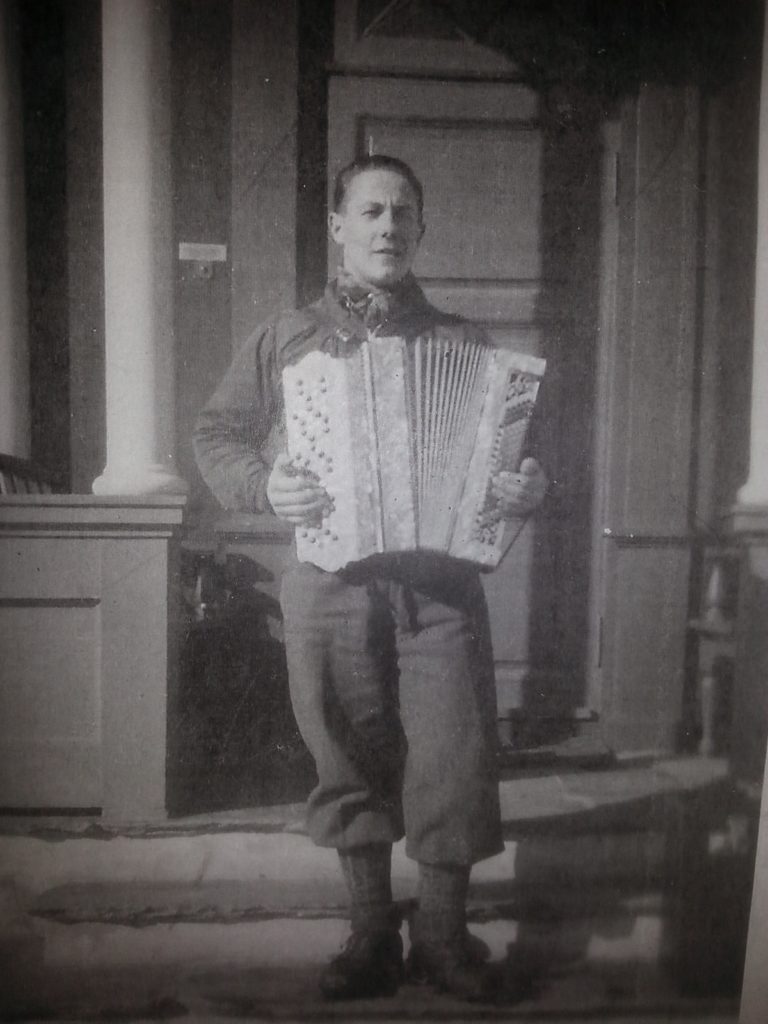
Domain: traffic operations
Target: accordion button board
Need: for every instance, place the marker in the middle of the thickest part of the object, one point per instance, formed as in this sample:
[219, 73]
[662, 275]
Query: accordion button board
[406, 440]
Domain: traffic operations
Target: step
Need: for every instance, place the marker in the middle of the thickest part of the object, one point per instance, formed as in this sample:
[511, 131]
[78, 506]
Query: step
[608, 823]
[37, 865]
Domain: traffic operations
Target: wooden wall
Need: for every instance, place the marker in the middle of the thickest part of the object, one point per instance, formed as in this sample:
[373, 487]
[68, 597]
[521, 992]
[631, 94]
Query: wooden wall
[264, 132]
[201, 105]
[44, 111]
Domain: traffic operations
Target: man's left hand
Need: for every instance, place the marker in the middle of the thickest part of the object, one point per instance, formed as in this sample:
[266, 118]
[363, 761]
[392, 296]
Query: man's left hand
[520, 493]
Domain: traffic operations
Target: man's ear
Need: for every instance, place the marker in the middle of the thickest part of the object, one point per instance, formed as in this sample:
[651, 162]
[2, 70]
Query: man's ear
[335, 223]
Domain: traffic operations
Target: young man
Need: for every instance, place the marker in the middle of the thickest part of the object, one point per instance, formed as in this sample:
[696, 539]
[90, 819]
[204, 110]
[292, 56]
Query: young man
[389, 659]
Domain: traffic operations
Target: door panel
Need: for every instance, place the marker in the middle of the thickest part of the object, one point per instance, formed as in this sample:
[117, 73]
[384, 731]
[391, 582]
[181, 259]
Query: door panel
[644, 636]
[498, 197]
[653, 361]
[481, 254]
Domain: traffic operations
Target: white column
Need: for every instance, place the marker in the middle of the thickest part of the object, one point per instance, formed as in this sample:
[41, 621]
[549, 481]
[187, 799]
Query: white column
[755, 491]
[138, 250]
[14, 351]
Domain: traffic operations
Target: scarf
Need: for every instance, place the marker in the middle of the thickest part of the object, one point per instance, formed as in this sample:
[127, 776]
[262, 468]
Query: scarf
[375, 307]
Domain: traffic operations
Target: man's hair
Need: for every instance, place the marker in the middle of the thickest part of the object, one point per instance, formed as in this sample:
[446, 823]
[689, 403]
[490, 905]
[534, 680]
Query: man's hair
[375, 162]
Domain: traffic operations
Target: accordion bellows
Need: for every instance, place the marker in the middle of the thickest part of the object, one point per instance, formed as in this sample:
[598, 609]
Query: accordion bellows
[406, 439]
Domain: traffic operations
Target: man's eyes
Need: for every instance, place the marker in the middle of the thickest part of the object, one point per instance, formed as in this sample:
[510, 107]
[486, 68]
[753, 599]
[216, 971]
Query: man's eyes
[400, 212]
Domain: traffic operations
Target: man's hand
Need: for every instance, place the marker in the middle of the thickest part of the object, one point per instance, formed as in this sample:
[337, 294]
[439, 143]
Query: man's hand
[520, 493]
[296, 496]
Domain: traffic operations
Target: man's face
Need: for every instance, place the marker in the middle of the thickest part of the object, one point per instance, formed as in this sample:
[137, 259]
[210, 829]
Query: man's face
[378, 228]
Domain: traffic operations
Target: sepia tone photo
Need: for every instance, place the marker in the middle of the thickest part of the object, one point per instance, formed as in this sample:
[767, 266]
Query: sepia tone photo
[383, 510]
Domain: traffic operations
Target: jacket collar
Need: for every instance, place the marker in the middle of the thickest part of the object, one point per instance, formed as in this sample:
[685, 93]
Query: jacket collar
[381, 310]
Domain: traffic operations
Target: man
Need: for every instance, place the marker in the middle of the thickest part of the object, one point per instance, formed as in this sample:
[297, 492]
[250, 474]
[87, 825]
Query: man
[389, 659]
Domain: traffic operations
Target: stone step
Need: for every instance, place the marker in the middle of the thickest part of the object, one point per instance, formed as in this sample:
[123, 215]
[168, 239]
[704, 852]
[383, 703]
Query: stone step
[140, 904]
[252, 858]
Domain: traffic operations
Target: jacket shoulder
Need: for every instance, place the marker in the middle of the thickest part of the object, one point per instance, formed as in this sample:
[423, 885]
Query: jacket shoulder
[299, 330]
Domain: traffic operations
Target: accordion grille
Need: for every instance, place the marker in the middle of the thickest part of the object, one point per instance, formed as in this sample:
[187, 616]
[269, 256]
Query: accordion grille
[448, 396]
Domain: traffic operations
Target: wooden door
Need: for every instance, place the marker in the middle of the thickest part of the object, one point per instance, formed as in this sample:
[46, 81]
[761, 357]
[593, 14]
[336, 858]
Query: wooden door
[502, 178]
[648, 384]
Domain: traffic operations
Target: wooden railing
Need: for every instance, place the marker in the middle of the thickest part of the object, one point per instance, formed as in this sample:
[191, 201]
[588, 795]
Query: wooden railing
[20, 476]
[715, 631]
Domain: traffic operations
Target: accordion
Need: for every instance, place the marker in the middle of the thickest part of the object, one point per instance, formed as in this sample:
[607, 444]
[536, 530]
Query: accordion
[405, 439]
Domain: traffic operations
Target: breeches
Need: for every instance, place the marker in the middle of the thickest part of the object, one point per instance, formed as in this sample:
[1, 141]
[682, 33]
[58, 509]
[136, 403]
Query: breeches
[391, 678]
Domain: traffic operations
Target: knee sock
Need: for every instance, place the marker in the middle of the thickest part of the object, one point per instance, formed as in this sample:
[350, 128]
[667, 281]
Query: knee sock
[367, 872]
[441, 915]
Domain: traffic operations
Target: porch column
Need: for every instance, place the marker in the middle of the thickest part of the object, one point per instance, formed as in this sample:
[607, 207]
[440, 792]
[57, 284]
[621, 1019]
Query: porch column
[755, 491]
[14, 353]
[138, 250]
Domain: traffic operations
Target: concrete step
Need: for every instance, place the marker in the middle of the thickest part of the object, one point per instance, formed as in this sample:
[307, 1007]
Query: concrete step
[250, 875]
[37, 864]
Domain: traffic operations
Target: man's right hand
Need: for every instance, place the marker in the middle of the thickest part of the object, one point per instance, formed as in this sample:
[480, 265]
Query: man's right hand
[296, 496]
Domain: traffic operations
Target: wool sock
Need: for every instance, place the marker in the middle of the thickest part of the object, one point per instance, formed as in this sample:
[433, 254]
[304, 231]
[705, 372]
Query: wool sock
[441, 916]
[367, 872]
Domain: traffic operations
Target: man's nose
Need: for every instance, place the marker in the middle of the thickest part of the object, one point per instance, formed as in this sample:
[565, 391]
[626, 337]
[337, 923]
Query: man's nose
[387, 221]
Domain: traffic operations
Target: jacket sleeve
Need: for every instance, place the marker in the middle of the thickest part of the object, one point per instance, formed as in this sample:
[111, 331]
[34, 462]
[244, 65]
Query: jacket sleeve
[233, 428]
